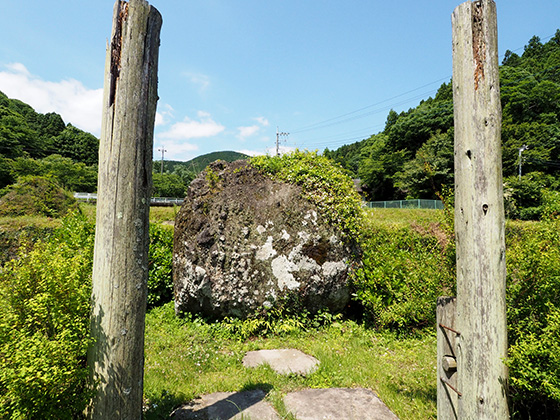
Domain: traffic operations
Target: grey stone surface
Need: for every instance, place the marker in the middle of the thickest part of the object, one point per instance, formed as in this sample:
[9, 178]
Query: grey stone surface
[244, 241]
[337, 404]
[246, 405]
[283, 361]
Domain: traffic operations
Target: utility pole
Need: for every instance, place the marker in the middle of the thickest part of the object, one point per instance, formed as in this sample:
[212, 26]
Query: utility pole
[521, 150]
[120, 262]
[480, 330]
[162, 150]
[278, 135]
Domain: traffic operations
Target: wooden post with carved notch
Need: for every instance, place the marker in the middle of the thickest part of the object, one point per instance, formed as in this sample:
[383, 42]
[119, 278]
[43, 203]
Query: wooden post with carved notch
[120, 266]
[481, 347]
[447, 394]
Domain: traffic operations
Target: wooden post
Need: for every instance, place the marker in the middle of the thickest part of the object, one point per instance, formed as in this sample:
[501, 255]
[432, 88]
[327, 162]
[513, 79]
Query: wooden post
[479, 215]
[447, 393]
[120, 266]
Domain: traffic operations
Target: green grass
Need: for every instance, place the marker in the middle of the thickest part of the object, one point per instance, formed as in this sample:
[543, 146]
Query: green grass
[163, 214]
[405, 216]
[22, 222]
[157, 214]
[186, 359]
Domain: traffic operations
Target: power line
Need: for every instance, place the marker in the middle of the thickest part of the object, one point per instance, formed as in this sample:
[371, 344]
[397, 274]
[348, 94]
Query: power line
[331, 121]
[339, 119]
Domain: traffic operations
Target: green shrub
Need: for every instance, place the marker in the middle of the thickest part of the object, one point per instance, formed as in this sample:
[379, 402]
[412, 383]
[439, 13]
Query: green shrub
[525, 197]
[403, 271]
[160, 281]
[44, 327]
[324, 183]
[36, 195]
[533, 305]
[168, 185]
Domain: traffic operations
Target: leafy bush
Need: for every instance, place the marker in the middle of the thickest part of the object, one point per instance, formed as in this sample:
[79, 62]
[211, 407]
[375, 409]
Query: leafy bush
[525, 197]
[533, 305]
[286, 317]
[73, 176]
[6, 177]
[403, 271]
[168, 185]
[160, 281]
[44, 328]
[36, 195]
[323, 182]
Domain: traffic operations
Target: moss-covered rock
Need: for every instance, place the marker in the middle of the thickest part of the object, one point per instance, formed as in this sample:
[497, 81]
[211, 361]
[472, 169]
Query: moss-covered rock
[244, 241]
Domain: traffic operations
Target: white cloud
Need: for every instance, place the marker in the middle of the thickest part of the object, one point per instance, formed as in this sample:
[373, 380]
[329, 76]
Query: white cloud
[282, 149]
[245, 132]
[163, 115]
[178, 148]
[250, 152]
[76, 103]
[262, 121]
[252, 130]
[201, 81]
[193, 129]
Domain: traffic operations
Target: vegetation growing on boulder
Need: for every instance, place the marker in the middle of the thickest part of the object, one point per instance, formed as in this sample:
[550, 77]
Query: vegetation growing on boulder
[323, 182]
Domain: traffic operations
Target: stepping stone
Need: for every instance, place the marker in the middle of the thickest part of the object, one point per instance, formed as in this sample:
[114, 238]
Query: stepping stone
[283, 361]
[228, 405]
[337, 404]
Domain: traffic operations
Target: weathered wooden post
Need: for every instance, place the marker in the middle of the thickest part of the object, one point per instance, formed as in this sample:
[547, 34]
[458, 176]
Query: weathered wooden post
[120, 267]
[447, 393]
[481, 346]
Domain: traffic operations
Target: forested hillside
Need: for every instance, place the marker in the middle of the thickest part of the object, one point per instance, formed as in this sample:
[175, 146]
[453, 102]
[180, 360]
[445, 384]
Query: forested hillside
[42, 144]
[198, 164]
[413, 156]
[34, 144]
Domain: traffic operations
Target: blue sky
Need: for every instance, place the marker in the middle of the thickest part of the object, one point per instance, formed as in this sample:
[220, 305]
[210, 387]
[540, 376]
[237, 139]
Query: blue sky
[233, 71]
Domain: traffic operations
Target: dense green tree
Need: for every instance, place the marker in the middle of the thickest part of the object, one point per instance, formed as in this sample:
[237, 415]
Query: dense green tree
[6, 176]
[378, 166]
[168, 185]
[26, 133]
[431, 169]
[16, 137]
[185, 174]
[73, 176]
[413, 155]
[412, 130]
[77, 145]
[347, 156]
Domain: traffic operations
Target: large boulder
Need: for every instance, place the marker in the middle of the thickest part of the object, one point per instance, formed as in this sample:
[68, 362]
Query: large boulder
[244, 241]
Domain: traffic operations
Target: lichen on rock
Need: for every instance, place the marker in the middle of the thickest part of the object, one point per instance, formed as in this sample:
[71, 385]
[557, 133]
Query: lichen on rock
[243, 241]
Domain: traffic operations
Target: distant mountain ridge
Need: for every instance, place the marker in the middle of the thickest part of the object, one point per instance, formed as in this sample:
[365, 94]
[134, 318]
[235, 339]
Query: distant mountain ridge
[200, 162]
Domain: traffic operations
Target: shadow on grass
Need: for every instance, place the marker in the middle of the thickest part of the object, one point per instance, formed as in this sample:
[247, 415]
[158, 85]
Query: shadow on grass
[225, 408]
[162, 406]
[426, 393]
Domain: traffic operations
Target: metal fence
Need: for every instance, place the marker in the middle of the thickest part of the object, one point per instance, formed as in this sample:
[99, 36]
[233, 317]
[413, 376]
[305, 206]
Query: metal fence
[406, 204]
[155, 201]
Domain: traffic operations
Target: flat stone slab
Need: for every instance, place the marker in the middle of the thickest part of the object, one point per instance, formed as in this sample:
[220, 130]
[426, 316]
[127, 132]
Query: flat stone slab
[337, 404]
[228, 406]
[283, 361]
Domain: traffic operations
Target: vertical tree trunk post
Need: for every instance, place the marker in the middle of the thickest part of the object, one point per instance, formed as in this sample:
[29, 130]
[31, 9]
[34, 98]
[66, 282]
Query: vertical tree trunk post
[482, 376]
[120, 266]
[447, 395]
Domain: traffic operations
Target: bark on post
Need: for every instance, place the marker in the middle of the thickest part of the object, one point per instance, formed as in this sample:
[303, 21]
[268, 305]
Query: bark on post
[120, 267]
[479, 215]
